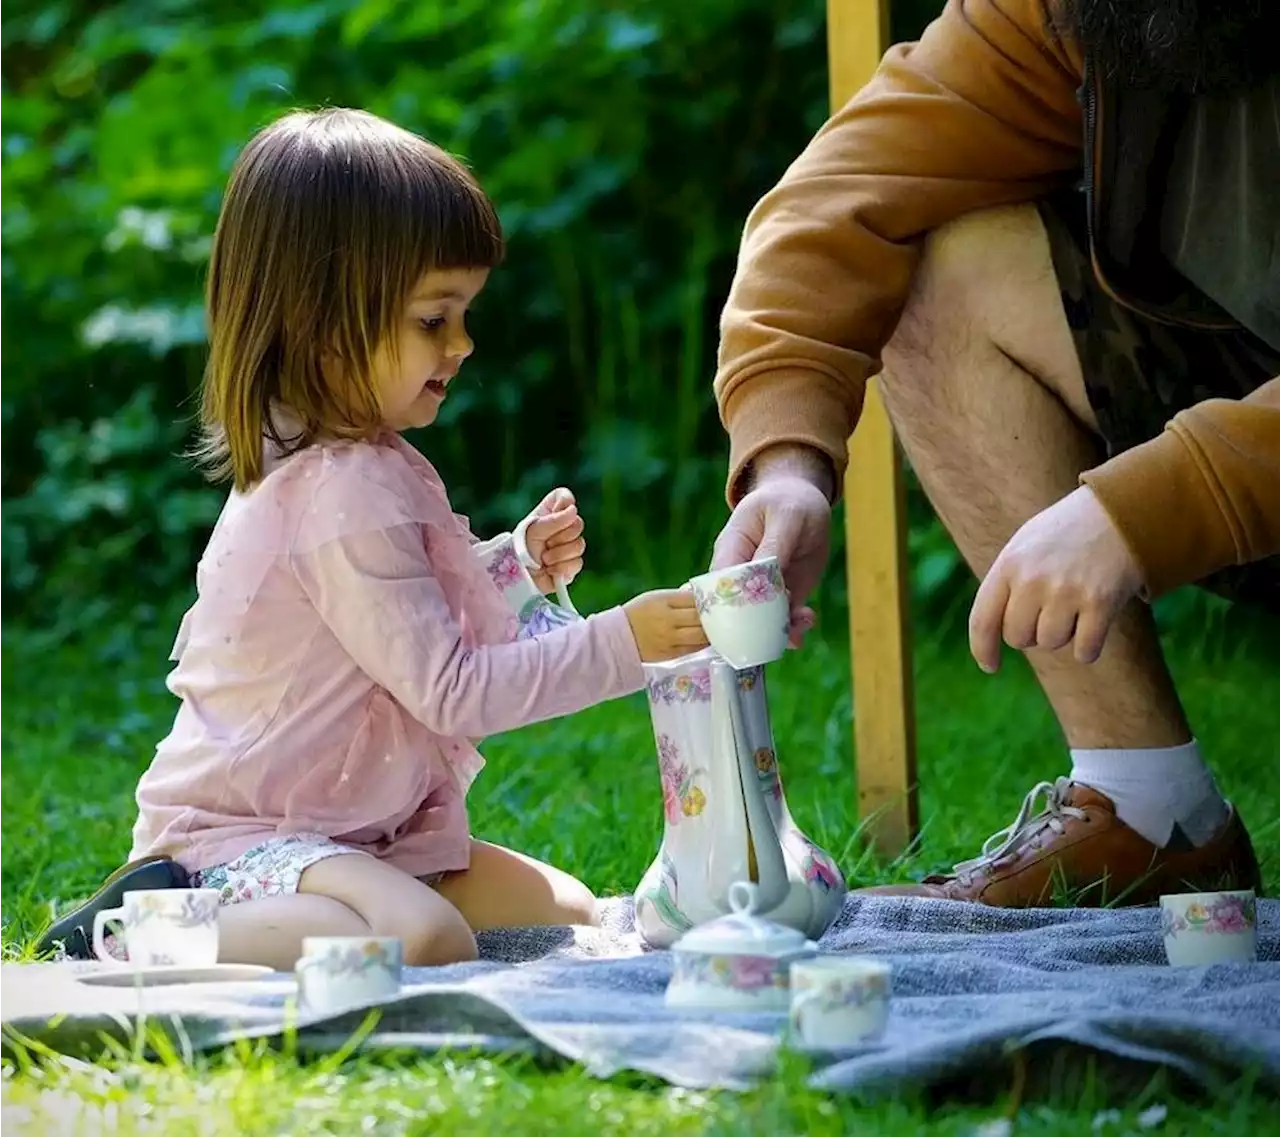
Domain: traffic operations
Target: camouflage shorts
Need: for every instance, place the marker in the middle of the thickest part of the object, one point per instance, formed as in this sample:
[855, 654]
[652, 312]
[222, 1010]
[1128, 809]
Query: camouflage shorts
[1139, 373]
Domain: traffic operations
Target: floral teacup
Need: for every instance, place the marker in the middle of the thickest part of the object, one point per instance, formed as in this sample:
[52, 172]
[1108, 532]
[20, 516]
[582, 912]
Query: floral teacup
[163, 927]
[839, 1000]
[338, 973]
[1210, 927]
[745, 612]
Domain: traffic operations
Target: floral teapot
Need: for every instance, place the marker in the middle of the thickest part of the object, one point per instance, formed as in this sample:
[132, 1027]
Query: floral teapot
[726, 819]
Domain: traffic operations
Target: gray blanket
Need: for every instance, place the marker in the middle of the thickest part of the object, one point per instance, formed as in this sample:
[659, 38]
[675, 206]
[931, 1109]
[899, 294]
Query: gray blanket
[970, 984]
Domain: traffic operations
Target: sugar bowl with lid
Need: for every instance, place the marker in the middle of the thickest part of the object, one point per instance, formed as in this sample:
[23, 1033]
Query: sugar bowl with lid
[739, 962]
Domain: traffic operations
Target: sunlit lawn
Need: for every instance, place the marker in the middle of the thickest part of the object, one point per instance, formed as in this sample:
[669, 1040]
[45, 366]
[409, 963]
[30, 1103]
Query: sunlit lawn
[79, 725]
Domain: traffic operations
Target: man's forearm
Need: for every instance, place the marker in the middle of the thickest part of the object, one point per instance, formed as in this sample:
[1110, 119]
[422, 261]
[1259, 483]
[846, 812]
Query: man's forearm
[791, 459]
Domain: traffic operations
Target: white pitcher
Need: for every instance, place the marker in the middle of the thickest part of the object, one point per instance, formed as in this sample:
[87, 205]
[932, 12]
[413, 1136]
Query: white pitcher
[725, 816]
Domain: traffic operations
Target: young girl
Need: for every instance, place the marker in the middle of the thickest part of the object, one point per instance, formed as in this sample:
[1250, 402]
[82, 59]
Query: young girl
[346, 646]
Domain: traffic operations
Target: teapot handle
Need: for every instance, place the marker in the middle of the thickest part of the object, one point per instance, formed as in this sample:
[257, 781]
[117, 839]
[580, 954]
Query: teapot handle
[522, 553]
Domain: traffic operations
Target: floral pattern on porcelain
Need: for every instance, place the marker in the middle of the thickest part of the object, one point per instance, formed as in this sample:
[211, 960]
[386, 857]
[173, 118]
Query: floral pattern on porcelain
[682, 793]
[1226, 915]
[757, 583]
[347, 962]
[830, 994]
[687, 687]
[816, 869]
[664, 899]
[748, 974]
[193, 911]
[766, 763]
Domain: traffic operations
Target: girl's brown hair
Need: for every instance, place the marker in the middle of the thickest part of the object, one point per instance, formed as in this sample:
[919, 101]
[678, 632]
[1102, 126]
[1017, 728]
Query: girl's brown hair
[330, 219]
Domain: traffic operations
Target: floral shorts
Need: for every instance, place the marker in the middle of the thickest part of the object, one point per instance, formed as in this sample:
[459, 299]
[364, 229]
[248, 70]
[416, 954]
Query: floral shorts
[272, 868]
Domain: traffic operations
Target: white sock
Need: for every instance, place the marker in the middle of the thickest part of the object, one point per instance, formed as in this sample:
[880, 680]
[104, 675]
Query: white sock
[1156, 790]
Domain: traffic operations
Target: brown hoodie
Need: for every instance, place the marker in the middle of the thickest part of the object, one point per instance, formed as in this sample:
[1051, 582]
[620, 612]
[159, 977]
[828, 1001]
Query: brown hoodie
[982, 112]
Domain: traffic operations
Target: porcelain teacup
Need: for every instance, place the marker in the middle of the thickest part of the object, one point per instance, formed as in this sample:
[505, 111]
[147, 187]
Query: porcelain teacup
[339, 973]
[839, 1000]
[163, 927]
[745, 612]
[1210, 927]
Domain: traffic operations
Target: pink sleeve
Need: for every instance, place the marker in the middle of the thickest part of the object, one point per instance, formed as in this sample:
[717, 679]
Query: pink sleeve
[376, 593]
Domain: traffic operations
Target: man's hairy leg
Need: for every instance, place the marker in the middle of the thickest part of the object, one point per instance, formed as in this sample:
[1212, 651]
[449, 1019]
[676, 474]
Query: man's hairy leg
[985, 391]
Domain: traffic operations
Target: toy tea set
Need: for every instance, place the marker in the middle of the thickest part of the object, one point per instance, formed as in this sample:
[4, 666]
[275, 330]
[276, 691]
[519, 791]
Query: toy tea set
[736, 890]
[731, 853]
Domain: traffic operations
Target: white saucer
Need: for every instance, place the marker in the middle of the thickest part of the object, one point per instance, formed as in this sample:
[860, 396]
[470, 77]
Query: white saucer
[122, 975]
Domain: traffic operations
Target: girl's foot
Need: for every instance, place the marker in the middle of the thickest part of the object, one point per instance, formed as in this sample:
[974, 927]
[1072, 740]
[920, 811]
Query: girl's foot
[71, 937]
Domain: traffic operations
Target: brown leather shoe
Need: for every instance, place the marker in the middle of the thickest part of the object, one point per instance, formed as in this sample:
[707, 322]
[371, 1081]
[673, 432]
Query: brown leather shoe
[1077, 852]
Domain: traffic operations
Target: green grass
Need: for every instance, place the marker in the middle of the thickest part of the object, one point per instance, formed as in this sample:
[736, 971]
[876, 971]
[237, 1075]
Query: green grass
[79, 725]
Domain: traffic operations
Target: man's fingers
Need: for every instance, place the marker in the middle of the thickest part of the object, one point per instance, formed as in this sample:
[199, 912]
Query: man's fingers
[802, 620]
[1056, 626]
[734, 546]
[1021, 618]
[781, 535]
[1091, 633]
[986, 620]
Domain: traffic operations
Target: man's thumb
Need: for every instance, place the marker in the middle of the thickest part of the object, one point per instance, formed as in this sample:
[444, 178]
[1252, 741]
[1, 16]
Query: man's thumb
[781, 531]
[733, 547]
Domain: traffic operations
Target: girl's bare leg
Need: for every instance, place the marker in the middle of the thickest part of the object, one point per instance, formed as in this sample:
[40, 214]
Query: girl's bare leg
[506, 889]
[346, 896]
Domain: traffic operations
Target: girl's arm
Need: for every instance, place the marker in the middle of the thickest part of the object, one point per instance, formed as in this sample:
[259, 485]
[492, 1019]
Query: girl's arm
[376, 592]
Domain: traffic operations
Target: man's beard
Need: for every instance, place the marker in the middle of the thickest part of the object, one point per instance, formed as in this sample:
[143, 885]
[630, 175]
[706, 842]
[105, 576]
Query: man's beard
[1187, 45]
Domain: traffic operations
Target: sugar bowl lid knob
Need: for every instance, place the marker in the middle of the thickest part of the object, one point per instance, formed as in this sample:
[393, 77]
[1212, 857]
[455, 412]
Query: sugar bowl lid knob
[744, 898]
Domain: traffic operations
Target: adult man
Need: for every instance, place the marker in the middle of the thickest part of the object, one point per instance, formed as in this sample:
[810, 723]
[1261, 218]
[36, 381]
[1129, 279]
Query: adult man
[1060, 229]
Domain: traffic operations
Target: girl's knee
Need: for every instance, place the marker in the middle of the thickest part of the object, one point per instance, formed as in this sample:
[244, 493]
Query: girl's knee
[433, 942]
[576, 904]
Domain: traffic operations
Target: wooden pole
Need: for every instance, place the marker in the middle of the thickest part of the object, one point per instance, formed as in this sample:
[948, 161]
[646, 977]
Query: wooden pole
[876, 530]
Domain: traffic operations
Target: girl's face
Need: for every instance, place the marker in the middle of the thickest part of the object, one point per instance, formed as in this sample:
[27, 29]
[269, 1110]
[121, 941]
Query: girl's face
[432, 343]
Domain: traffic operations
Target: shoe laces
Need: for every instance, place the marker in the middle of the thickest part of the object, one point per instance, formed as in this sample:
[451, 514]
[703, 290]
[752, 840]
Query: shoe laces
[1026, 827]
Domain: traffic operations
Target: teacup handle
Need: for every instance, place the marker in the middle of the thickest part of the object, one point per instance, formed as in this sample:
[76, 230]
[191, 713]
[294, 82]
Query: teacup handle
[100, 921]
[522, 553]
[800, 1002]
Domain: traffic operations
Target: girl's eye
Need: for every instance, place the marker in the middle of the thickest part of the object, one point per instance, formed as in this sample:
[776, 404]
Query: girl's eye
[432, 323]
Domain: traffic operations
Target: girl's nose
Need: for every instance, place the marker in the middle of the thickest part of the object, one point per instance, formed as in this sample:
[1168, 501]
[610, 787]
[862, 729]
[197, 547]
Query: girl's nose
[460, 346]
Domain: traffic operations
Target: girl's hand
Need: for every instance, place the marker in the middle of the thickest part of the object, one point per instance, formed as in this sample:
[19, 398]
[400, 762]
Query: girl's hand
[665, 624]
[554, 539]
[1062, 579]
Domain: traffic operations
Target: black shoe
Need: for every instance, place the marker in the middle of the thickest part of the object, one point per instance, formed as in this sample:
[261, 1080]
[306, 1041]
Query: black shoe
[74, 932]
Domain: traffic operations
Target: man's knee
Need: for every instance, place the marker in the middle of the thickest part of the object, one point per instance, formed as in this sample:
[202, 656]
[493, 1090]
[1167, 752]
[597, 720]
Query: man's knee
[984, 295]
[971, 283]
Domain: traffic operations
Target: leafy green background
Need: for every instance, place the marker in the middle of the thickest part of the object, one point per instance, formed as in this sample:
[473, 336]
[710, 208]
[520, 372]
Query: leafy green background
[623, 143]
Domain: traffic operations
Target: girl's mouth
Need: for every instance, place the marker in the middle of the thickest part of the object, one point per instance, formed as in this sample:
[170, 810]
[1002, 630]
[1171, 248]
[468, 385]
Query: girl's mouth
[436, 387]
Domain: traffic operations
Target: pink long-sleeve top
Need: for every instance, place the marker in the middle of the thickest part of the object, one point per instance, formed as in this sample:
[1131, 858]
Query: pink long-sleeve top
[344, 648]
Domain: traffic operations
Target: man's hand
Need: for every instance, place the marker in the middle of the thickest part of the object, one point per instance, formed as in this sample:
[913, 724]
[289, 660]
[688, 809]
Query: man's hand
[1062, 578]
[786, 515]
[554, 539]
